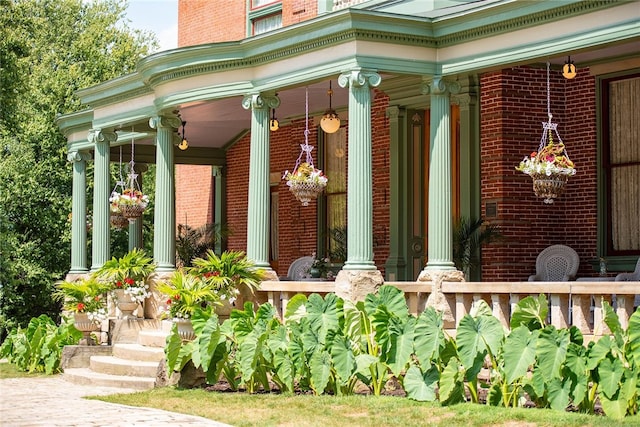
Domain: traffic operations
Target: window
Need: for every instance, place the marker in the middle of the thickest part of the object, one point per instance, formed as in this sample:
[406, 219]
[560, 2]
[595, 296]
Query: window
[335, 212]
[621, 163]
[264, 16]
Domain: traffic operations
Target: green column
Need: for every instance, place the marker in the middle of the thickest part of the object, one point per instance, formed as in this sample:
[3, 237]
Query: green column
[258, 206]
[135, 227]
[164, 238]
[395, 264]
[219, 203]
[100, 248]
[359, 178]
[79, 212]
[440, 215]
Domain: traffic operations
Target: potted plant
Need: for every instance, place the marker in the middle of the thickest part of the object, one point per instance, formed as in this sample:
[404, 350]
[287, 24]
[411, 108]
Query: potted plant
[232, 275]
[305, 182]
[86, 299]
[319, 268]
[127, 278]
[185, 293]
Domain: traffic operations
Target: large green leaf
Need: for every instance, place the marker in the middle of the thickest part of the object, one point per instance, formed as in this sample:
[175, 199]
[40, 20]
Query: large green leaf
[402, 336]
[284, 370]
[320, 367]
[208, 341]
[530, 312]
[551, 351]
[419, 386]
[559, 390]
[247, 356]
[613, 322]
[598, 351]
[429, 336]
[474, 337]
[519, 352]
[172, 349]
[451, 384]
[344, 361]
[296, 308]
[322, 314]
[633, 333]
[390, 297]
[610, 372]
[576, 368]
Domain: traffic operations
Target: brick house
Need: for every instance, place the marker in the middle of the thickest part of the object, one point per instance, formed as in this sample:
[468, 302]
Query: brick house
[439, 102]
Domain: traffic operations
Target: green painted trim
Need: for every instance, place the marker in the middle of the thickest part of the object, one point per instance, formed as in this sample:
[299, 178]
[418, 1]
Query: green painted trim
[139, 116]
[127, 87]
[75, 122]
[264, 11]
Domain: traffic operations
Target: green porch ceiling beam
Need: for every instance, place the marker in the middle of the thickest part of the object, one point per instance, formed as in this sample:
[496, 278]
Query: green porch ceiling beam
[100, 246]
[359, 189]
[258, 206]
[79, 212]
[164, 242]
[440, 247]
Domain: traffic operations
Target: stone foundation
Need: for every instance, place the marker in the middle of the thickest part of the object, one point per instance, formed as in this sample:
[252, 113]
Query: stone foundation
[355, 285]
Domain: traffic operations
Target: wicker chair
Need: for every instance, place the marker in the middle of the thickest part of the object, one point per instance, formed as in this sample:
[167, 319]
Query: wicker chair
[299, 269]
[557, 263]
[629, 277]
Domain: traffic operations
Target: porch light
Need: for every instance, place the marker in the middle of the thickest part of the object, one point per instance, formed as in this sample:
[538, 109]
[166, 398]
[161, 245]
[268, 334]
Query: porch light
[273, 123]
[569, 70]
[330, 122]
[184, 144]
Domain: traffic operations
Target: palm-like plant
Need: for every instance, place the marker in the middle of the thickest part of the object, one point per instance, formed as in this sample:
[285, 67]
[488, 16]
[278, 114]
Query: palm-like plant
[132, 269]
[194, 243]
[229, 273]
[186, 292]
[468, 237]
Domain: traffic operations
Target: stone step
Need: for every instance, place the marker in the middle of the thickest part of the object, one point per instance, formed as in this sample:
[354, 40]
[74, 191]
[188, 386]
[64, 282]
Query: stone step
[86, 376]
[152, 338]
[138, 352]
[116, 366]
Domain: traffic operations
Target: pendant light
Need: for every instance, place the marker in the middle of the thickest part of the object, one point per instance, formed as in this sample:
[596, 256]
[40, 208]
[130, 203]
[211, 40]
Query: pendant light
[330, 122]
[569, 70]
[273, 123]
[184, 144]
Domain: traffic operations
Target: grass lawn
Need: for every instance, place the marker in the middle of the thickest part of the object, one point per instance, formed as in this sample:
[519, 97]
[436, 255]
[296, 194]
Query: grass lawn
[242, 409]
[8, 370]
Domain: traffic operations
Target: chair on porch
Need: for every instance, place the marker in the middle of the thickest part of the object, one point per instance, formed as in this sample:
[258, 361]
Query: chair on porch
[299, 269]
[556, 263]
[630, 277]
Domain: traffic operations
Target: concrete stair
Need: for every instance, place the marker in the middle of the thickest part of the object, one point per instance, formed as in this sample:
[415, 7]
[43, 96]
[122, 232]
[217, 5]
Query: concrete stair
[132, 362]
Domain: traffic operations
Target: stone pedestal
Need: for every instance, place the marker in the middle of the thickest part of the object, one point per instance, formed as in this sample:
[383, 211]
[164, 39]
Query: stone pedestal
[354, 285]
[437, 298]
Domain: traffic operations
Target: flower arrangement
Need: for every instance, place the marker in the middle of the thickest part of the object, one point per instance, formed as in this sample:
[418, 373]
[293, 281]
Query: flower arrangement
[550, 160]
[128, 273]
[305, 173]
[129, 197]
[185, 292]
[229, 274]
[319, 267]
[84, 296]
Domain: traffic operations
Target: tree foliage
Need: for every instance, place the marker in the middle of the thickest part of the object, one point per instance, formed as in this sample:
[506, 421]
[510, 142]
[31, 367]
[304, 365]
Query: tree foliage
[48, 50]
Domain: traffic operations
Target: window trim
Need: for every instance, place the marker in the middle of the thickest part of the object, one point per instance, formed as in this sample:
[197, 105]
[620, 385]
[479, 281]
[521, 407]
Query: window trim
[261, 12]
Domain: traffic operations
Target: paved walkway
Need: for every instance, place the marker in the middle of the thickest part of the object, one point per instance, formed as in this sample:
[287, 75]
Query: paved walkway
[55, 402]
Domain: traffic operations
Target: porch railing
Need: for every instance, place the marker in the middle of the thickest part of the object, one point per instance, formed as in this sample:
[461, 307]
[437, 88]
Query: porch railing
[570, 303]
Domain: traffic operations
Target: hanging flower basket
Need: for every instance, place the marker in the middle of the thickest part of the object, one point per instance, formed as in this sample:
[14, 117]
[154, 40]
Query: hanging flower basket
[550, 166]
[306, 182]
[131, 203]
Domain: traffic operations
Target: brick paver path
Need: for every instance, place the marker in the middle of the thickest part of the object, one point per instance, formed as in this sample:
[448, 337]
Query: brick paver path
[53, 402]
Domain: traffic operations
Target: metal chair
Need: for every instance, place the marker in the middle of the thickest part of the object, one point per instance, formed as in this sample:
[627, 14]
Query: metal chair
[299, 269]
[556, 263]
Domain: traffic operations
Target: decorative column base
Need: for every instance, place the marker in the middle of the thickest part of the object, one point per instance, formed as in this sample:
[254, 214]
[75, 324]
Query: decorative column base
[355, 285]
[436, 298]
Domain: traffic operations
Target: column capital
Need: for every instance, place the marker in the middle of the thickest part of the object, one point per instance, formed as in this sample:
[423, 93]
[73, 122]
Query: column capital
[167, 121]
[464, 100]
[78, 156]
[359, 78]
[257, 101]
[102, 135]
[217, 171]
[438, 85]
[393, 112]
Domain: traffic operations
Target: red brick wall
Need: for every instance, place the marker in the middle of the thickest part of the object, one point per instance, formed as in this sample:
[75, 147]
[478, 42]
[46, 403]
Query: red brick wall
[513, 105]
[194, 195]
[207, 21]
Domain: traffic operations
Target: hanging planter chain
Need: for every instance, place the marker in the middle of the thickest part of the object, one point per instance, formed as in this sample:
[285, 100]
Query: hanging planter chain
[549, 167]
[305, 182]
[116, 219]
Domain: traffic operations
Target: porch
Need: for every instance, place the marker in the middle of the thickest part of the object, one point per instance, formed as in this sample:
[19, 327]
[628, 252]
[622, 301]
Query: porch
[570, 303]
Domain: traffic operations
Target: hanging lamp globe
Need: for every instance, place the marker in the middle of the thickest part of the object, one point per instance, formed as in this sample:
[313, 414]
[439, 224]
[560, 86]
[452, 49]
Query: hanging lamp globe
[330, 122]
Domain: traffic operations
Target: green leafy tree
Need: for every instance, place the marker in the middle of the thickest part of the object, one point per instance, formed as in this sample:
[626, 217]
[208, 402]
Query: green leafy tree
[49, 50]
